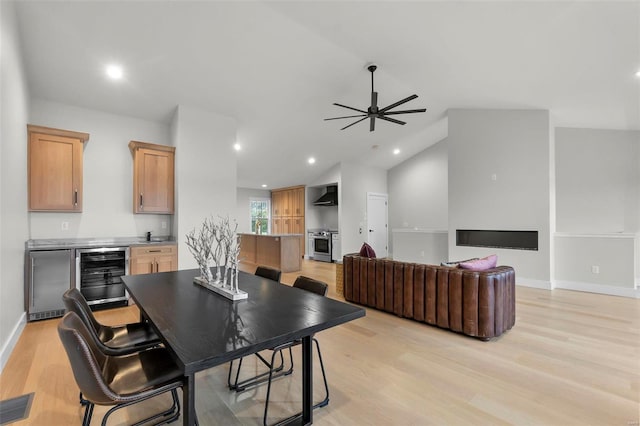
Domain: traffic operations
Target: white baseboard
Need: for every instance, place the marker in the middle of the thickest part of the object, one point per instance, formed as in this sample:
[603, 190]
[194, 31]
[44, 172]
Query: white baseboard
[527, 282]
[598, 288]
[8, 346]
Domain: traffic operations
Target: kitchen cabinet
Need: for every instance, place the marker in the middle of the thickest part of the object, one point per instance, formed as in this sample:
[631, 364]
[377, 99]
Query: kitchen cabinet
[153, 178]
[150, 259]
[55, 169]
[277, 251]
[287, 210]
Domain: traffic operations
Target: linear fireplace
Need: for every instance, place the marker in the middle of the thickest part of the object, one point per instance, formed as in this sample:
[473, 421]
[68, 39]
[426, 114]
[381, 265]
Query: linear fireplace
[517, 240]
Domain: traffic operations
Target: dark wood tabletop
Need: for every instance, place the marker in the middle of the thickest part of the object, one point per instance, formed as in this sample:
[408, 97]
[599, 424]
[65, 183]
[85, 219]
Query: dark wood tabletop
[203, 329]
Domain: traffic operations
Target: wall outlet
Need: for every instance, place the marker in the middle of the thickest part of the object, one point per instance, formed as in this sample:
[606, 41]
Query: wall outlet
[494, 177]
[164, 224]
[65, 226]
[595, 269]
[422, 253]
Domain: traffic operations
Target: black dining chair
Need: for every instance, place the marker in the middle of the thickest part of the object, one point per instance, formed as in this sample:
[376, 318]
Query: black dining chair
[267, 272]
[317, 287]
[239, 386]
[118, 381]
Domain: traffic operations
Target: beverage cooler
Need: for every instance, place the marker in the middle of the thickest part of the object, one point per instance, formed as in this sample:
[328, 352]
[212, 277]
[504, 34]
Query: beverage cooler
[48, 273]
[98, 275]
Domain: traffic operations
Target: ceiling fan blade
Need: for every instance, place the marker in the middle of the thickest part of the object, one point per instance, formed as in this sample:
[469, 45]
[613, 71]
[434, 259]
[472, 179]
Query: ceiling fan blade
[355, 122]
[372, 123]
[374, 101]
[393, 120]
[346, 116]
[348, 107]
[406, 111]
[387, 108]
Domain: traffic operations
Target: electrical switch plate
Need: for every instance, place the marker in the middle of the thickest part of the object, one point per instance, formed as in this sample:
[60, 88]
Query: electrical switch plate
[65, 226]
[164, 225]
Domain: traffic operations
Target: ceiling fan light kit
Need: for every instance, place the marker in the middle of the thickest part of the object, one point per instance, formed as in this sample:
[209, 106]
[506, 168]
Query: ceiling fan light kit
[374, 112]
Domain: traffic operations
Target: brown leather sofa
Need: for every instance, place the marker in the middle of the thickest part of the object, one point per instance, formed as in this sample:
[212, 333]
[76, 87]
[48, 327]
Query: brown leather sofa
[478, 304]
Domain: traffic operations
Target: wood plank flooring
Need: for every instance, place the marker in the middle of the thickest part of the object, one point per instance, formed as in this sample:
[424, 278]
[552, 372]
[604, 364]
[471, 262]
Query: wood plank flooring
[572, 359]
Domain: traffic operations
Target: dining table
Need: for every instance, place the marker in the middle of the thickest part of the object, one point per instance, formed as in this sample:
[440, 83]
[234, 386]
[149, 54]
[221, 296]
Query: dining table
[203, 329]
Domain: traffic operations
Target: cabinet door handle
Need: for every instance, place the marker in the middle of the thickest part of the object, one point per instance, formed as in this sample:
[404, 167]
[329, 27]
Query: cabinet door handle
[75, 198]
[140, 201]
[33, 267]
[157, 267]
[154, 251]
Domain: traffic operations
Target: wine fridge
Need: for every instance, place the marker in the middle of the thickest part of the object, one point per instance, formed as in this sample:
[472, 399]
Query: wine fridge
[98, 275]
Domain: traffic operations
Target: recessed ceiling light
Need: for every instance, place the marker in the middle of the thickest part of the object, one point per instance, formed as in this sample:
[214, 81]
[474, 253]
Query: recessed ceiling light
[237, 146]
[311, 160]
[264, 185]
[396, 151]
[114, 72]
[638, 74]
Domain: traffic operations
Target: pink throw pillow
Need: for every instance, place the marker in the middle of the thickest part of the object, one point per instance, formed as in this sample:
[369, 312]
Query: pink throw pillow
[480, 264]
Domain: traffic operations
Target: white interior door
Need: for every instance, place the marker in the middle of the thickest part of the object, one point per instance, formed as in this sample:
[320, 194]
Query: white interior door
[377, 230]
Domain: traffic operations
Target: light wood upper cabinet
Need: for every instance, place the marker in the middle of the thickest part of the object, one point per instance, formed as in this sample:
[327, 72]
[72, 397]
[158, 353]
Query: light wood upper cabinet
[296, 202]
[153, 178]
[287, 211]
[287, 202]
[153, 258]
[55, 169]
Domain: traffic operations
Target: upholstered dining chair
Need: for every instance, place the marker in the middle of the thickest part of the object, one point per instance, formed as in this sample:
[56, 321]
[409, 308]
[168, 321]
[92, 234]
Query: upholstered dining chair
[267, 272]
[118, 381]
[319, 288]
[113, 340]
[239, 386]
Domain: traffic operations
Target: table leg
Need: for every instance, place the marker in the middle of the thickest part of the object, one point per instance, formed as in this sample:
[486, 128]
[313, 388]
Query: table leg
[188, 401]
[307, 380]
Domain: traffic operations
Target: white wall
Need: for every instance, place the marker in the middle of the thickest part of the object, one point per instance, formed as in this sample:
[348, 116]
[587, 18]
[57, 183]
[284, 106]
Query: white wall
[513, 145]
[597, 210]
[418, 198]
[356, 181]
[206, 168]
[420, 245]
[243, 213]
[597, 180]
[107, 209]
[612, 255]
[14, 107]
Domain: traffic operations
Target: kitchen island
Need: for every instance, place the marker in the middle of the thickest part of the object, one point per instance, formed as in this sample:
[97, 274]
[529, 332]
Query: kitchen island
[280, 251]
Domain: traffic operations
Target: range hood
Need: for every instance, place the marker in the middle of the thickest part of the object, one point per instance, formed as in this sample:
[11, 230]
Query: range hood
[330, 198]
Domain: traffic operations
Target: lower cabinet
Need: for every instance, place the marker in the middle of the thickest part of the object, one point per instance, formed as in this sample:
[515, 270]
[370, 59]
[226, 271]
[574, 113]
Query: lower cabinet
[152, 259]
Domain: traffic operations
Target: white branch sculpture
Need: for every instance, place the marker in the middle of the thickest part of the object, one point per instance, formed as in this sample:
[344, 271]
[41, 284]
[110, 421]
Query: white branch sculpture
[224, 253]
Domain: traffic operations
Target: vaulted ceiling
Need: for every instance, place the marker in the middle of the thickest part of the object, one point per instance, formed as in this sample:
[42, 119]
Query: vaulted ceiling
[277, 67]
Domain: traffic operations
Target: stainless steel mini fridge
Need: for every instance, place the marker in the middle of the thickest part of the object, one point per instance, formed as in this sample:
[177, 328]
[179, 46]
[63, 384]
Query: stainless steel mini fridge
[49, 274]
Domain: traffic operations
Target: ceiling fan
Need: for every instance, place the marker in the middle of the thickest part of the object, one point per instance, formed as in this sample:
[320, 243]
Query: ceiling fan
[374, 112]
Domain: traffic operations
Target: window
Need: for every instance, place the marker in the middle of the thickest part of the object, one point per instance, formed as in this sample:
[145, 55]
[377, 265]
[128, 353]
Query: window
[260, 209]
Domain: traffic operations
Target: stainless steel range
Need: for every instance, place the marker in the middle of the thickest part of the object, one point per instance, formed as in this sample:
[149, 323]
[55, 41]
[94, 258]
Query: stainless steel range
[321, 245]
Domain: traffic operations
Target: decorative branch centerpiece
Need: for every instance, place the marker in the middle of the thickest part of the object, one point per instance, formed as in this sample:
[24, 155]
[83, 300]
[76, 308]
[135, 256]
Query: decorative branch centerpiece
[217, 242]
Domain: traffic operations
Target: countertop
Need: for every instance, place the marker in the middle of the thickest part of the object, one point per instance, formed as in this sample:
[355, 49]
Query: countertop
[270, 235]
[66, 243]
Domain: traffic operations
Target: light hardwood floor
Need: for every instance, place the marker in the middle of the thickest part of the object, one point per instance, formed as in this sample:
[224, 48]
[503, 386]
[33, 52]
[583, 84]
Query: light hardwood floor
[571, 359]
